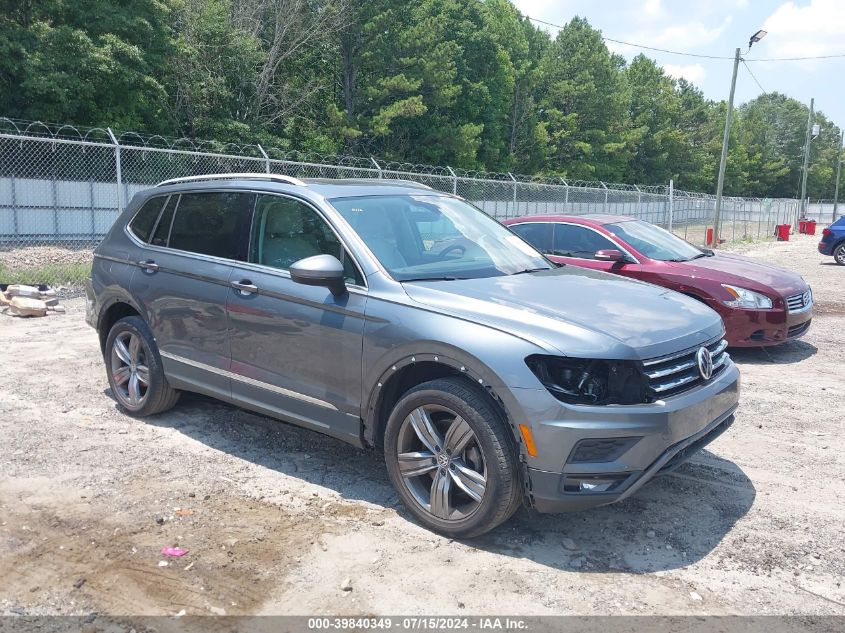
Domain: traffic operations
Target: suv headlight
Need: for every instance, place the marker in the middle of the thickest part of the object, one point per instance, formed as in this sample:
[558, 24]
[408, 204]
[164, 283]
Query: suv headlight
[592, 381]
[744, 298]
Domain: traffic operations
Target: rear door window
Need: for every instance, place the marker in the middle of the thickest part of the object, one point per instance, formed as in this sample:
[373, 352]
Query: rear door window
[538, 234]
[143, 223]
[212, 223]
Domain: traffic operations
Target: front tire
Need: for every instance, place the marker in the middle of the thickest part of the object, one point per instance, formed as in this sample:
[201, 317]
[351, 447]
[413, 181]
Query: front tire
[134, 369]
[839, 254]
[450, 455]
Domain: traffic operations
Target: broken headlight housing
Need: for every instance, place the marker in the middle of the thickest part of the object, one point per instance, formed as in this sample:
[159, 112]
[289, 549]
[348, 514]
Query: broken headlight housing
[592, 381]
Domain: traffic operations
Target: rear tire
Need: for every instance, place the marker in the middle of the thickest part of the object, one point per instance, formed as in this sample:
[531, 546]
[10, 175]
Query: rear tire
[134, 369]
[839, 254]
[450, 455]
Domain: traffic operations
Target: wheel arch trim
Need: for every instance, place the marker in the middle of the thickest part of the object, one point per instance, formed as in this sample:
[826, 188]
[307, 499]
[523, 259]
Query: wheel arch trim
[474, 370]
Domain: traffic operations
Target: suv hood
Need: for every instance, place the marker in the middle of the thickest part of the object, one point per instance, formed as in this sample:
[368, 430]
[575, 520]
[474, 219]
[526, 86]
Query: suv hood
[746, 272]
[577, 312]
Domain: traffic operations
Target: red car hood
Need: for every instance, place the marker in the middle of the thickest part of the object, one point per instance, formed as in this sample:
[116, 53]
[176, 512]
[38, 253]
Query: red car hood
[736, 269]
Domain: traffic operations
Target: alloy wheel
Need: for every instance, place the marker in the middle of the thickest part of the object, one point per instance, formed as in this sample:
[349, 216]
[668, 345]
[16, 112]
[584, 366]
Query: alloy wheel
[441, 462]
[129, 369]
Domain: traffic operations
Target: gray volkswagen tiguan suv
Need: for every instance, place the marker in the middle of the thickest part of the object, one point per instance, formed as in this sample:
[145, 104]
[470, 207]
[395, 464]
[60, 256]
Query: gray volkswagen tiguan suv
[390, 315]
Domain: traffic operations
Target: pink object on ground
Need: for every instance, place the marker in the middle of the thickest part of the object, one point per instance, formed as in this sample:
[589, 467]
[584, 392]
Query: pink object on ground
[173, 551]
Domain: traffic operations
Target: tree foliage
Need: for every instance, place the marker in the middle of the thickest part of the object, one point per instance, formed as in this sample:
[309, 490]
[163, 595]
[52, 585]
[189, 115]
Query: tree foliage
[469, 83]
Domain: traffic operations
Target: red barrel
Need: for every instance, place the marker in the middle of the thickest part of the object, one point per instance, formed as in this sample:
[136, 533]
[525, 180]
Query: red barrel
[709, 239]
[783, 232]
[810, 229]
[802, 226]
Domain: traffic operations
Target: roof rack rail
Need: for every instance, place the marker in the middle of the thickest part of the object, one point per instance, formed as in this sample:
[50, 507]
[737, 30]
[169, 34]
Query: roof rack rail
[405, 181]
[398, 181]
[238, 176]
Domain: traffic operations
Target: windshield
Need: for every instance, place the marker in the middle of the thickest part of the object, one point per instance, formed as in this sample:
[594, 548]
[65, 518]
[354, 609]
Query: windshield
[654, 242]
[428, 237]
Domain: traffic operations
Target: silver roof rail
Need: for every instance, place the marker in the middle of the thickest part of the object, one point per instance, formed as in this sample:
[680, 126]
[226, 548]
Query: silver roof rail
[240, 176]
[406, 182]
[364, 181]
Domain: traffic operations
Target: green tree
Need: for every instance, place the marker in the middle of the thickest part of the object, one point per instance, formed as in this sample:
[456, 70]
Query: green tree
[85, 61]
[584, 97]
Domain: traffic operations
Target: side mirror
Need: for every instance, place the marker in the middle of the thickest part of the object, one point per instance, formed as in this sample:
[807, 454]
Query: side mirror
[320, 270]
[609, 255]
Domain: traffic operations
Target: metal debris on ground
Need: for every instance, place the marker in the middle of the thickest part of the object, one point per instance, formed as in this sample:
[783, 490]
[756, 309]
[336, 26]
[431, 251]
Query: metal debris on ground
[28, 301]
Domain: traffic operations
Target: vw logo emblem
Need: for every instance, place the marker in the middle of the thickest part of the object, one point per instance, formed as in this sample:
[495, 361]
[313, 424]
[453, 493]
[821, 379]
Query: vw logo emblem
[443, 460]
[705, 362]
[806, 298]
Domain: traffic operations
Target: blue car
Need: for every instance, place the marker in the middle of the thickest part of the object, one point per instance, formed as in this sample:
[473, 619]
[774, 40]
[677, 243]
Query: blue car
[833, 241]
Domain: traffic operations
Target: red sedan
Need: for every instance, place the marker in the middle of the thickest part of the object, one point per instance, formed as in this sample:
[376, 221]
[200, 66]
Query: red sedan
[760, 304]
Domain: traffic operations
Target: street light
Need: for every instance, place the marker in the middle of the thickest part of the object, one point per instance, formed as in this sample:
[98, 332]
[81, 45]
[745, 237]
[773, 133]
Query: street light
[759, 35]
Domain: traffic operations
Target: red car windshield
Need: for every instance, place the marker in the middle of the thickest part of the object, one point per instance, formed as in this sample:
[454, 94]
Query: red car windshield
[654, 242]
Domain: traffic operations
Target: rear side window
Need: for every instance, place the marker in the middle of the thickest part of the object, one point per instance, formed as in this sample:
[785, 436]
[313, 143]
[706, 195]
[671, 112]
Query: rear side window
[538, 234]
[162, 228]
[208, 223]
[143, 223]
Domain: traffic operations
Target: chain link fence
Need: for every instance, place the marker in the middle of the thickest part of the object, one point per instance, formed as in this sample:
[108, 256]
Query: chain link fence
[62, 187]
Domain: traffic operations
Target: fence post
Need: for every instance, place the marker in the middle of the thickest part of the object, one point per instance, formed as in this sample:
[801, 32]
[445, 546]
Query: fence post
[514, 194]
[454, 180]
[15, 223]
[605, 195]
[266, 158]
[565, 195]
[118, 174]
[639, 201]
[380, 172]
[671, 202]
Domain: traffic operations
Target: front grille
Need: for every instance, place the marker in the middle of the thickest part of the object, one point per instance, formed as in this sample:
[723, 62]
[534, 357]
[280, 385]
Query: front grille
[800, 302]
[676, 373]
[798, 330]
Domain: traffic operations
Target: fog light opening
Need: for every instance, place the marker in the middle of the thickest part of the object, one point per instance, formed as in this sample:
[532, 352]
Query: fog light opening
[591, 484]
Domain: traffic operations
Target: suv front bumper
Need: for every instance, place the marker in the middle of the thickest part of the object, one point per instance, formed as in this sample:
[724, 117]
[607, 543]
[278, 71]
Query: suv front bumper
[628, 445]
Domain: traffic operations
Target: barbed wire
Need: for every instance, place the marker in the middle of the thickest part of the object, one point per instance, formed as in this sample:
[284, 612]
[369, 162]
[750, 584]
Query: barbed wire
[370, 165]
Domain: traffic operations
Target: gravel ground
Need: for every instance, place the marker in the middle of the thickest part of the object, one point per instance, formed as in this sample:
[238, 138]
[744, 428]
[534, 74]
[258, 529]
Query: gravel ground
[40, 256]
[275, 519]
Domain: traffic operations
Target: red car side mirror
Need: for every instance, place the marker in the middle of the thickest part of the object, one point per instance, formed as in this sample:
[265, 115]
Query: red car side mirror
[609, 255]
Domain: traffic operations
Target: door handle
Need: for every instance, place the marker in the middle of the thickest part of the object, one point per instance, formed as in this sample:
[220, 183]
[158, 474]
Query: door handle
[148, 265]
[244, 287]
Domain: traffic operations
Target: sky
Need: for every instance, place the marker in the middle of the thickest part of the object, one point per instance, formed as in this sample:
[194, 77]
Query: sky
[798, 28]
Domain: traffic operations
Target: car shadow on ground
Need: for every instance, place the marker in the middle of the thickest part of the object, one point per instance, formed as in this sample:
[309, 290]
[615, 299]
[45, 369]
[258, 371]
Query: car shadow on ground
[786, 353]
[671, 522]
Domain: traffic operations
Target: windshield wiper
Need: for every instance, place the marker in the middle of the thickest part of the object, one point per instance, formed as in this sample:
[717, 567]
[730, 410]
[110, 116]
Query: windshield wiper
[444, 278]
[530, 270]
[700, 255]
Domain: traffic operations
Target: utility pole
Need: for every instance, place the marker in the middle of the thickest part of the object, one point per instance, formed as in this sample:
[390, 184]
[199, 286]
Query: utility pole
[724, 160]
[838, 171]
[806, 161]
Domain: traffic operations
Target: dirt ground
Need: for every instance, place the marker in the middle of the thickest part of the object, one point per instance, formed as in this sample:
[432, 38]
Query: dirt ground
[275, 518]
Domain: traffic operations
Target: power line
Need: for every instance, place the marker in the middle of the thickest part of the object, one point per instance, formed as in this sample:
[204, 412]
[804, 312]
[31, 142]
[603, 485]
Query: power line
[753, 77]
[796, 59]
[650, 48]
[699, 55]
